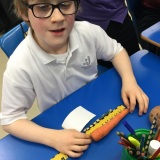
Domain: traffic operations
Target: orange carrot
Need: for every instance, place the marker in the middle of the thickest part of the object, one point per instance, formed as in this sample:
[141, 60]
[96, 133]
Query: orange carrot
[101, 132]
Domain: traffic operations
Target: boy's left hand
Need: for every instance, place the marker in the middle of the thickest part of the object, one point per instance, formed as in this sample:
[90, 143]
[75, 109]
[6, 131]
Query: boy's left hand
[131, 94]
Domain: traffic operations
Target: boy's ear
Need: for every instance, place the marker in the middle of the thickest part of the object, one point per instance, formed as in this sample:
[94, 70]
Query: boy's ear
[24, 17]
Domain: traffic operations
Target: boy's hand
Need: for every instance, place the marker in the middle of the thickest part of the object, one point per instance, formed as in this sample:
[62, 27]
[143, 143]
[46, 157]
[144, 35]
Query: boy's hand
[71, 142]
[131, 94]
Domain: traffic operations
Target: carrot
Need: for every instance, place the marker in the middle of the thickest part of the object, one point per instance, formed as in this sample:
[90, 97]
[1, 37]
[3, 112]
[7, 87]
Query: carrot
[101, 132]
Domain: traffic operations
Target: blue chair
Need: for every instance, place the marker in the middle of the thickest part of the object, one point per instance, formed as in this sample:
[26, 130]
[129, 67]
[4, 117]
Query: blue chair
[10, 40]
[135, 8]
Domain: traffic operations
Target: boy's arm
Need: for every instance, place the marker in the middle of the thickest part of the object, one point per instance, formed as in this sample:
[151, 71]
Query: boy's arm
[70, 142]
[131, 92]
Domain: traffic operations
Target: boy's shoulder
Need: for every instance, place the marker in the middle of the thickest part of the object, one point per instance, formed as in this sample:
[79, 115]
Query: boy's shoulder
[84, 25]
[21, 48]
[21, 54]
[84, 28]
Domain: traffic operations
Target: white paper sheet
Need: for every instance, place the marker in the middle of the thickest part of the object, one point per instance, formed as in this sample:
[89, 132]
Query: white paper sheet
[77, 119]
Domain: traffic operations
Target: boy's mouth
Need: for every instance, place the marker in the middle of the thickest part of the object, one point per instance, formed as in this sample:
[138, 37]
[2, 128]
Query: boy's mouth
[58, 30]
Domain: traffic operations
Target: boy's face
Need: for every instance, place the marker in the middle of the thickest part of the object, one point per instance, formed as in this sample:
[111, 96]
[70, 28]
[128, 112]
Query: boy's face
[51, 33]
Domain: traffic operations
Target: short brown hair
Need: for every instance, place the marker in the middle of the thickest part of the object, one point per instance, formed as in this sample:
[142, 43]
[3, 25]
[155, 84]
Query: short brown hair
[20, 8]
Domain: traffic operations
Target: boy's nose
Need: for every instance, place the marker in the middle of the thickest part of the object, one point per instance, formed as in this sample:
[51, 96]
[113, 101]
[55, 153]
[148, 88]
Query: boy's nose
[57, 15]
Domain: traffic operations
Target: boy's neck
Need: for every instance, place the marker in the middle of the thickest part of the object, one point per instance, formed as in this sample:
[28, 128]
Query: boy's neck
[56, 50]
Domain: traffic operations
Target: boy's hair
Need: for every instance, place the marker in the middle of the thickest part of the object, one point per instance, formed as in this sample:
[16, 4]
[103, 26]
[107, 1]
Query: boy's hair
[20, 8]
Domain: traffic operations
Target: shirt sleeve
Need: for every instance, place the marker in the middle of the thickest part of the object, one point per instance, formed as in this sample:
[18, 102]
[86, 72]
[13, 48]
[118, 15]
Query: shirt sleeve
[17, 95]
[106, 47]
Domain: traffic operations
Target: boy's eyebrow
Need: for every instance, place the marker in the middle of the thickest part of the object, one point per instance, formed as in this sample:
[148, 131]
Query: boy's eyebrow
[41, 1]
[47, 1]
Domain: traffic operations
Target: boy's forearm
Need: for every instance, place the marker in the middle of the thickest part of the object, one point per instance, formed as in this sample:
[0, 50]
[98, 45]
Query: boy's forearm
[30, 131]
[123, 66]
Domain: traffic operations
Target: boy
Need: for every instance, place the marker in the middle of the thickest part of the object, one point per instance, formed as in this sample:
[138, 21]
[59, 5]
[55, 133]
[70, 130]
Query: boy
[56, 58]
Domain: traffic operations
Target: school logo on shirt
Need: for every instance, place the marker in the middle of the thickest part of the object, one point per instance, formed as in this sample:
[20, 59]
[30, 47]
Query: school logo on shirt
[87, 62]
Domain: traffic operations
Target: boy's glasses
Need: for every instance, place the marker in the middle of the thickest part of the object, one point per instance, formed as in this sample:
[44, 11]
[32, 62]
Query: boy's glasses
[45, 10]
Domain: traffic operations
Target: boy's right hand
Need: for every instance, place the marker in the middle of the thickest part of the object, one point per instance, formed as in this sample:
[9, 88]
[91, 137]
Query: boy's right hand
[70, 142]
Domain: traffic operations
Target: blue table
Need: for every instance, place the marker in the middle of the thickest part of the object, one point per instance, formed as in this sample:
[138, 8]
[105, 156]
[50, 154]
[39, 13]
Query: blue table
[152, 34]
[98, 97]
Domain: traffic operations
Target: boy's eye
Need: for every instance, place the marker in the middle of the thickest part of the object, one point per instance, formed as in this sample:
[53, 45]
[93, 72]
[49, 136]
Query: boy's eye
[43, 7]
[66, 4]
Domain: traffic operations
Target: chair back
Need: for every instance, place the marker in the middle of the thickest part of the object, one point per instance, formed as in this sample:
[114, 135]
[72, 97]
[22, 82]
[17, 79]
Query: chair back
[10, 40]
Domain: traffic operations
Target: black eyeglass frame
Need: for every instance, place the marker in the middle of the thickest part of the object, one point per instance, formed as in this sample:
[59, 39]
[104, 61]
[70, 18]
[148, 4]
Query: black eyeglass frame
[30, 6]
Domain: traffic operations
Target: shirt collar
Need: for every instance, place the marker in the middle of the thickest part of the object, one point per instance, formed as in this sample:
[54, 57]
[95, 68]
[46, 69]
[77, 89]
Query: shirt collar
[43, 56]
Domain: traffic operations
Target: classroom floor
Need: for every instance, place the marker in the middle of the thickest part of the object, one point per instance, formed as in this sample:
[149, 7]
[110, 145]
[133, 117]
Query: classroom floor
[32, 112]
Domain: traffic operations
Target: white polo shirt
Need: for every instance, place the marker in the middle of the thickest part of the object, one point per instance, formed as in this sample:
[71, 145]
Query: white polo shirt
[32, 73]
